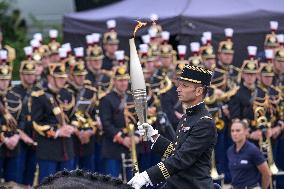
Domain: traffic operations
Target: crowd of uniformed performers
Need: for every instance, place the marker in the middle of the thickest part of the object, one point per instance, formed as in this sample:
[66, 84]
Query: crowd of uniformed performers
[73, 106]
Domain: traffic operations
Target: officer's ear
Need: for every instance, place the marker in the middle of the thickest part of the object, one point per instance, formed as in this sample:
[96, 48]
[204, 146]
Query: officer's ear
[199, 91]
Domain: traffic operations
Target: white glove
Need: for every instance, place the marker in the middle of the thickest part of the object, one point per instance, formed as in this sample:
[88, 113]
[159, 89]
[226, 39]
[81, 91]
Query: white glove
[140, 180]
[147, 129]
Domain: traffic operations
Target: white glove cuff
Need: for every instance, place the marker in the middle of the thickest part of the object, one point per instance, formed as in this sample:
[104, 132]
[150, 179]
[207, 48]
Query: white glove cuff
[155, 132]
[146, 176]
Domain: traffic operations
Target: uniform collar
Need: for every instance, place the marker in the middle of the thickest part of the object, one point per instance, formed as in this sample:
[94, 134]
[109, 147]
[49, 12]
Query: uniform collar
[121, 95]
[251, 88]
[195, 108]
[223, 66]
[242, 148]
[52, 89]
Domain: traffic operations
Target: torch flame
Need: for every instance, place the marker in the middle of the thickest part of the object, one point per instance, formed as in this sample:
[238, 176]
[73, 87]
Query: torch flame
[139, 25]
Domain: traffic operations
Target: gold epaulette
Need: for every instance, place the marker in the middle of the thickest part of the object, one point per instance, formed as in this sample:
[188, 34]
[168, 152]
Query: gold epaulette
[87, 82]
[40, 128]
[236, 68]
[38, 93]
[15, 94]
[227, 95]
[91, 88]
[220, 70]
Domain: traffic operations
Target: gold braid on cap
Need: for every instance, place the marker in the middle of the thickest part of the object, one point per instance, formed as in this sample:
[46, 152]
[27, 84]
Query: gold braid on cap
[199, 69]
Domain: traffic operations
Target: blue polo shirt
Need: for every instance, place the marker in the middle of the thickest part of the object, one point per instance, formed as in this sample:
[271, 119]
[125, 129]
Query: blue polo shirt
[243, 165]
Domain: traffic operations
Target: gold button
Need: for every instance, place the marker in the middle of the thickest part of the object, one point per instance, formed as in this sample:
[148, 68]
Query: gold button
[174, 148]
[177, 136]
[176, 143]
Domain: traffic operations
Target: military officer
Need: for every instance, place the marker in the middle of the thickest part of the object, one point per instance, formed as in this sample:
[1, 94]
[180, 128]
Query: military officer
[50, 110]
[208, 56]
[96, 75]
[167, 58]
[110, 45]
[241, 104]
[270, 41]
[27, 134]
[114, 114]
[265, 92]
[10, 108]
[226, 56]
[101, 79]
[83, 117]
[187, 159]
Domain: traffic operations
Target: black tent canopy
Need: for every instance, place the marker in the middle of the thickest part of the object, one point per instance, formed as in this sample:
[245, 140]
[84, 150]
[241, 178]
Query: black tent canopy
[184, 19]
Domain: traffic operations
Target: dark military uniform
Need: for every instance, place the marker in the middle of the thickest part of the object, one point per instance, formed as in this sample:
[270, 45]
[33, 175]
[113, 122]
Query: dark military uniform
[12, 105]
[187, 163]
[86, 93]
[101, 80]
[97, 78]
[46, 124]
[112, 117]
[187, 158]
[53, 153]
[107, 63]
[116, 113]
[28, 154]
[241, 105]
[83, 117]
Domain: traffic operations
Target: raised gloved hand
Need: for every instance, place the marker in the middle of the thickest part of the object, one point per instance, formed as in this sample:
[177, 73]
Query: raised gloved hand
[148, 130]
[140, 180]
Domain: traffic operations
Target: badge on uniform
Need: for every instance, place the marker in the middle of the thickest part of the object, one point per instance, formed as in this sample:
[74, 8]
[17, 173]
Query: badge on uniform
[184, 129]
[244, 161]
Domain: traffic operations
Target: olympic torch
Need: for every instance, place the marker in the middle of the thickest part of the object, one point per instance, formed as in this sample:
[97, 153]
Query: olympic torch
[138, 85]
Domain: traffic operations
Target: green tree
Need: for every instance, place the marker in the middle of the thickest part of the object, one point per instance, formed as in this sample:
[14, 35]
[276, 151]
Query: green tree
[14, 36]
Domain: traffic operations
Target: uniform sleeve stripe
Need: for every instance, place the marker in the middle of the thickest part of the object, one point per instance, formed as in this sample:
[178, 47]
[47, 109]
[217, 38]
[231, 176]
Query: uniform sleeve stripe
[164, 170]
[168, 151]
